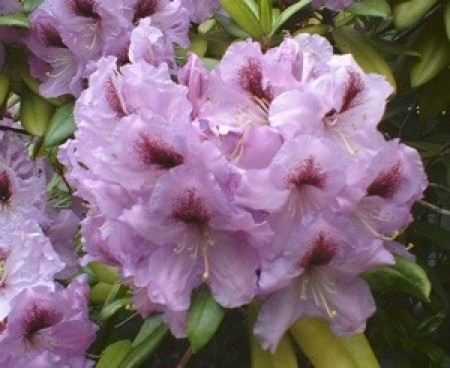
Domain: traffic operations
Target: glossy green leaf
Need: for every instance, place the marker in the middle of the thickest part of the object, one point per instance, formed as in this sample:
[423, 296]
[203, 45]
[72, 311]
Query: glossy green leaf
[389, 47]
[30, 5]
[430, 325]
[18, 19]
[61, 127]
[151, 334]
[288, 13]
[350, 41]
[35, 112]
[111, 309]
[312, 336]
[231, 27]
[360, 350]
[204, 318]
[114, 354]
[99, 292]
[447, 19]
[438, 235]
[406, 276]
[105, 272]
[371, 8]
[199, 45]
[265, 15]
[5, 81]
[243, 16]
[407, 13]
[432, 103]
[433, 46]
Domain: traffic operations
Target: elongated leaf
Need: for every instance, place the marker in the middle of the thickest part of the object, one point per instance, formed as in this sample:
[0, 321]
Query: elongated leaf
[18, 19]
[438, 235]
[30, 5]
[447, 19]
[360, 350]
[99, 292]
[434, 49]
[35, 112]
[288, 13]
[432, 103]
[350, 41]
[371, 8]
[61, 127]
[407, 13]
[5, 80]
[111, 309]
[265, 15]
[204, 318]
[105, 272]
[405, 275]
[114, 354]
[243, 16]
[389, 47]
[312, 335]
[231, 27]
[151, 334]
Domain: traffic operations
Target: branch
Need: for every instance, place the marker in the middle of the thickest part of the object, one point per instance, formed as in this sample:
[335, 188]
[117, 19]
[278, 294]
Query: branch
[434, 208]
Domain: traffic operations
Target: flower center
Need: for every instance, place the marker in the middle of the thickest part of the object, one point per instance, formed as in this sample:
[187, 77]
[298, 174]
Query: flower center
[37, 319]
[387, 183]
[144, 9]
[154, 151]
[49, 35]
[190, 210]
[320, 253]
[250, 79]
[84, 8]
[307, 173]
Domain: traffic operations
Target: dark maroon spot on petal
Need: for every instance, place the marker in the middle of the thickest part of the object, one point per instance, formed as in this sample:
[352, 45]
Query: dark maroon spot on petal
[84, 8]
[387, 183]
[49, 35]
[154, 151]
[308, 173]
[37, 319]
[353, 88]
[3, 324]
[191, 210]
[5, 187]
[113, 99]
[250, 79]
[321, 252]
[122, 55]
[145, 8]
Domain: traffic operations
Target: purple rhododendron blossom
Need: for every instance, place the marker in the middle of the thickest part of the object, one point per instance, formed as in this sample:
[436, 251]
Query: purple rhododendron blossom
[22, 182]
[200, 11]
[318, 274]
[27, 259]
[46, 324]
[242, 178]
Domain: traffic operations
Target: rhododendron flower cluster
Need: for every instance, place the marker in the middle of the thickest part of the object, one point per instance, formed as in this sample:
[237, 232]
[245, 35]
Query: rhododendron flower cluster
[42, 324]
[260, 178]
[68, 37]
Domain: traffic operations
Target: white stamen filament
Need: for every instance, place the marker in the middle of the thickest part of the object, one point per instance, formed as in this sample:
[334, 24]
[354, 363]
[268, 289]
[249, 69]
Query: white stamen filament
[320, 289]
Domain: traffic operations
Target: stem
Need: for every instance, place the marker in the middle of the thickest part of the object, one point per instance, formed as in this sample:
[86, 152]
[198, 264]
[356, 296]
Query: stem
[185, 359]
[434, 208]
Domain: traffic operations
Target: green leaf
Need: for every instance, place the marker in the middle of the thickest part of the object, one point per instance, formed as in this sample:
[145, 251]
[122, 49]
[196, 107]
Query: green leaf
[430, 325]
[432, 44]
[30, 5]
[287, 13]
[231, 27]
[99, 292]
[243, 16]
[5, 81]
[389, 47]
[35, 112]
[350, 41]
[430, 102]
[203, 319]
[61, 127]
[18, 19]
[151, 334]
[371, 8]
[436, 234]
[105, 272]
[407, 13]
[447, 19]
[114, 354]
[405, 275]
[111, 309]
[265, 15]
